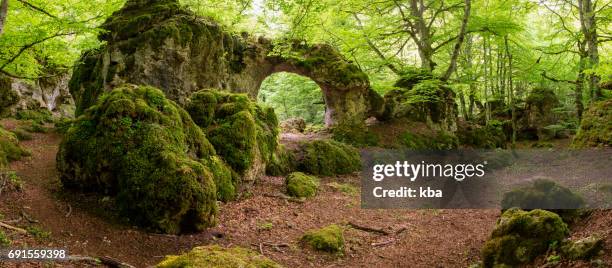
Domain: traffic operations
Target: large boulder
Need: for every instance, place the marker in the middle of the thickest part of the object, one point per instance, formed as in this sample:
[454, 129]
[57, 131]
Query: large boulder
[596, 127]
[539, 113]
[147, 153]
[160, 43]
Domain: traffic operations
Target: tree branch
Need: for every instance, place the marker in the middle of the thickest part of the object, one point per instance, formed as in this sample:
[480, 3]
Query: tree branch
[33, 7]
[557, 80]
[30, 45]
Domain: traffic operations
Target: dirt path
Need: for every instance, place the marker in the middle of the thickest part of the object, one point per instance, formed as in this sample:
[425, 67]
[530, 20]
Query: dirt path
[431, 238]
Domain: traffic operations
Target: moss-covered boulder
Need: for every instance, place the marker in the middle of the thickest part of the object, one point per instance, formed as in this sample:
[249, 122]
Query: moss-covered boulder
[243, 133]
[9, 148]
[596, 126]
[301, 185]
[327, 158]
[430, 101]
[538, 114]
[545, 194]
[282, 162]
[439, 140]
[218, 257]
[328, 239]
[146, 38]
[489, 136]
[147, 153]
[355, 133]
[520, 236]
[583, 249]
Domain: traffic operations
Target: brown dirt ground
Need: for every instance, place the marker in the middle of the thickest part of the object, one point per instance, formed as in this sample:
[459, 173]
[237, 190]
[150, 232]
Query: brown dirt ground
[431, 238]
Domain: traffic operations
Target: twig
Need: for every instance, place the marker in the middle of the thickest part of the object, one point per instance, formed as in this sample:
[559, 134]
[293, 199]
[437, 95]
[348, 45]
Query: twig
[368, 229]
[69, 211]
[14, 221]
[261, 248]
[383, 243]
[111, 262]
[25, 216]
[282, 196]
[401, 230]
[10, 227]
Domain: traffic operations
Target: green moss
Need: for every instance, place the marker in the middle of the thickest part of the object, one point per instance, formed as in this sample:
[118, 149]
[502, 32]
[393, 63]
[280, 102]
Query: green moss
[301, 185]
[596, 126]
[9, 148]
[328, 157]
[412, 76]
[345, 188]
[22, 134]
[235, 140]
[486, 137]
[583, 249]
[8, 97]
[217, 257]
[545, 194]
[4, 240]
[354, 133]
[542, 98]
[281, 163]
[143, 149]
[520, 236]
[225, 178]
[38, 116]
[438, 141]
[329, 239]
[37, 127]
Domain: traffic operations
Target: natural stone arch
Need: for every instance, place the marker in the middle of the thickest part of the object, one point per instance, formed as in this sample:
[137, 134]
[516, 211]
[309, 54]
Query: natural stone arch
[159, 43]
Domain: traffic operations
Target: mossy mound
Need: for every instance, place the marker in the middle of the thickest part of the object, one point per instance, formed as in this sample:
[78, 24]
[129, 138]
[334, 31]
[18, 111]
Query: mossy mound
[301, 185]
[39, 116]
[327, 158]
[9, 148]
[144, 150]
[583, 249]
[596, 126]
[437, 141]
[244, 134]
[329, 239]
[413, 76]
[545, 194]
[520, 236]
[218, 257]
[489, 136]
[354, 133]
[281, 163]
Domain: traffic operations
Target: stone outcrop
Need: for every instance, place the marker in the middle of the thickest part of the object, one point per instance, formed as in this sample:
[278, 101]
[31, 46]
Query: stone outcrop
[160, 43]
[49, 93]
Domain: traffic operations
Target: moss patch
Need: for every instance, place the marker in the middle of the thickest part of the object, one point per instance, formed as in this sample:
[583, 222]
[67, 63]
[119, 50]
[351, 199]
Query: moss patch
[596, 126]
[4, 240]
[329, 239]
[545, 194]
[9, 148]
[281, 163]
[328, 157]
[301, 185]
[143, 149]
[354, 133]
[583, 249]
[520, 236]
[38, 116]
[486, 137]
[218, 257]
[439, 141]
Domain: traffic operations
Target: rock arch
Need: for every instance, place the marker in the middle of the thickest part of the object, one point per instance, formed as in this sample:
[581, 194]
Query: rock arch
[159, 43]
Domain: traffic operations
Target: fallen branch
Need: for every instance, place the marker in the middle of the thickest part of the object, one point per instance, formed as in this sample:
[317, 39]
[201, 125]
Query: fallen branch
[16, 229]
[108, 261]
[69, 211]
[368, 229]
[401, 230]
[383, 243]
[288, 198]
[27, 217]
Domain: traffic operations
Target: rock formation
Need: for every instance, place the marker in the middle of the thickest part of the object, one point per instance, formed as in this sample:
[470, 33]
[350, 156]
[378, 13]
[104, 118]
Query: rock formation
[49, 93]
[160, 43]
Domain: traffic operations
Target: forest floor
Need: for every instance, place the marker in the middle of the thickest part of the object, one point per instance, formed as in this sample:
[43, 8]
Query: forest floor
[258, 220]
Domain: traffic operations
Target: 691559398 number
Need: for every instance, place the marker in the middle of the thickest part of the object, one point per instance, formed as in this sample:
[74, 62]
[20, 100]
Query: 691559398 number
[32, 254]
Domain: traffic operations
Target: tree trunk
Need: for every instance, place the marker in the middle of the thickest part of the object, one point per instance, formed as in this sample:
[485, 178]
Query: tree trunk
[424, 43]
[3, 13]
[453, 61]
[511, 91]
[486, 79]
[588, 27]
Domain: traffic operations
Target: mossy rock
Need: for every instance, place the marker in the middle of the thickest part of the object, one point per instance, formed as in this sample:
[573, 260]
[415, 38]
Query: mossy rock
[520, 236]
[8, 97]
[328, 239]
[226, 179]
[9, 148]
[217, 257]
[436, 141]
[412, 76]
[596, 126]
[144, 150]
[301, 185]
[243, 133]
[327, 158]
[281, 163]
[355, 133]
[583, 249]
[39, 116]
[489, 136]
[545, 194]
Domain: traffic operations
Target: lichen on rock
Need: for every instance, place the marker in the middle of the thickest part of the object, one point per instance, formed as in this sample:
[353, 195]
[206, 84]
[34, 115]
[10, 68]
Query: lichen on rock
[301, 185]
[520, 236]
[217, 257]
[596, 126]
[144, 150]
[329, 239]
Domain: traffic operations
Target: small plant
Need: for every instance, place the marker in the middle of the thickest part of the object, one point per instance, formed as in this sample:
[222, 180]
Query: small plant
[265, 225]
[4, 240]
[553, 259]
[38, 232]
[10, 179]
[345, 188]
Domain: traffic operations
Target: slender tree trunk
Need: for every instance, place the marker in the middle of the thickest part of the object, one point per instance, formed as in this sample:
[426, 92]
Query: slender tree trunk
[486, 79]
[453, 61]
[424, 43]
[511, 91]
[3, 13]
[588, 26]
